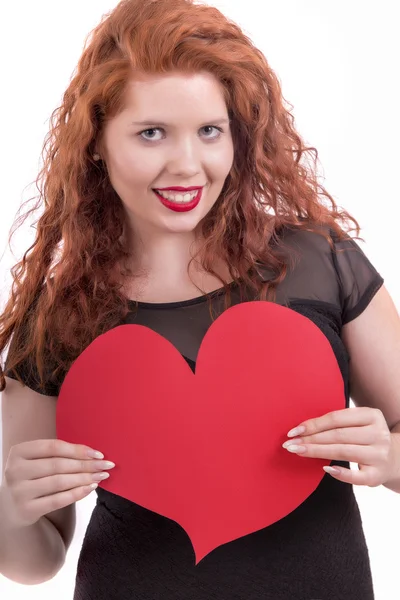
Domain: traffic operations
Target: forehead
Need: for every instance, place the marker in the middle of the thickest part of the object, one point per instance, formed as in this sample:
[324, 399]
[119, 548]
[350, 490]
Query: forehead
[175, 95]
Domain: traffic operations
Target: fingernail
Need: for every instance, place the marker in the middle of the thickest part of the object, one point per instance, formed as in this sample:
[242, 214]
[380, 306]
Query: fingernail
[296, 431]
[95, 454]
[107, 464]
[331, 470]
[100, 476]
[295, 448]
[291, 442]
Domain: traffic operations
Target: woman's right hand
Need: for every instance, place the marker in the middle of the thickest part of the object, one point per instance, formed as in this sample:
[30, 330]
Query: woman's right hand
[42, 476]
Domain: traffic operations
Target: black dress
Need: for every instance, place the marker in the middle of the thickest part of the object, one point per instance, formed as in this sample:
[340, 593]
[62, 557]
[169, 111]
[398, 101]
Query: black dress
[318, 552]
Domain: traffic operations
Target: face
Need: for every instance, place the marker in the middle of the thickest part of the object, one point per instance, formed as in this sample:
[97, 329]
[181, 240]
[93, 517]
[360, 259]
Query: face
[185, 141]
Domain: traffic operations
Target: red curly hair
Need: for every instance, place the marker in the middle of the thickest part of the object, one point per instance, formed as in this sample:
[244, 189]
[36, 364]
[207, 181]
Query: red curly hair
[67, 288]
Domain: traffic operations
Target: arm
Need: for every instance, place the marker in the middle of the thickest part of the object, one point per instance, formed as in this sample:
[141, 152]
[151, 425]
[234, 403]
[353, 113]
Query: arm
[30, 555]
[373, 342]
[33, 554]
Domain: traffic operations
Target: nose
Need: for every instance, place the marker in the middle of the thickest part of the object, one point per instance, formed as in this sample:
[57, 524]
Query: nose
[185, 160]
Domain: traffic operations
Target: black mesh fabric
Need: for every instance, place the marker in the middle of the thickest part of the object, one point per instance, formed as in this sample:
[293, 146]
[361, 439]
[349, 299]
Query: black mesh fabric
[318, 552]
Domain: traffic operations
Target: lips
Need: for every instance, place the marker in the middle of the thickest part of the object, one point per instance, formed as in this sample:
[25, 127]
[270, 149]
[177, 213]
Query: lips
[180, 206]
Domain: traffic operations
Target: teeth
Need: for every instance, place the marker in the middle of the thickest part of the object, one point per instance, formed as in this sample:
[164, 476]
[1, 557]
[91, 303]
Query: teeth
[179, 198]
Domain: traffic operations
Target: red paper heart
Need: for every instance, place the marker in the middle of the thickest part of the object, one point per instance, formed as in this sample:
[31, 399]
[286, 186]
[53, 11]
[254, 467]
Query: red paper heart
[206, 450]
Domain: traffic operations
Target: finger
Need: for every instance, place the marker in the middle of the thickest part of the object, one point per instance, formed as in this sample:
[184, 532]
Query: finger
[48, 504]
[48, 486]
[345, 435]
[55, 447]
[47, 448]
[349, 417]
[61, 483]
[44, 467]
[365, 455]
[364, 476]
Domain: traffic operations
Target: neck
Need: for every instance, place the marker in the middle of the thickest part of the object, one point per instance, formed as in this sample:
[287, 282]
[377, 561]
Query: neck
[164, 254]
[160, 267]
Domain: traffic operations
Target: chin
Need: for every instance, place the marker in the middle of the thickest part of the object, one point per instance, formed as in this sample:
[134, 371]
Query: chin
[182, 222]
[186, 226]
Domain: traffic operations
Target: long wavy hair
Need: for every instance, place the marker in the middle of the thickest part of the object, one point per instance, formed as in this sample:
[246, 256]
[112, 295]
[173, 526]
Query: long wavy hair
[67, 288]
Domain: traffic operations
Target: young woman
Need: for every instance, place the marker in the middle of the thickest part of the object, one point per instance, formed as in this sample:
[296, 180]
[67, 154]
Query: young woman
[175, 186]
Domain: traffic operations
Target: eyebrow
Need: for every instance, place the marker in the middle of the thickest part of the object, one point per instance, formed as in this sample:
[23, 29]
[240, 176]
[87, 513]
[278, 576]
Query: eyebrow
[156, 123]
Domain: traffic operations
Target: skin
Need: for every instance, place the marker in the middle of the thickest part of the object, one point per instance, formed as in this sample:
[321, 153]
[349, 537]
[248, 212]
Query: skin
[188, 153]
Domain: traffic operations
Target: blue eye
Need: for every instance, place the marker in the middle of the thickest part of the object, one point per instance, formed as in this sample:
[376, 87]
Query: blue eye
[160, 129]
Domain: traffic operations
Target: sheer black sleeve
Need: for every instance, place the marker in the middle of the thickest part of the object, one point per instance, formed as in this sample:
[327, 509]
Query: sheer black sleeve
[27, 369]
[359, 280]
[341, 276]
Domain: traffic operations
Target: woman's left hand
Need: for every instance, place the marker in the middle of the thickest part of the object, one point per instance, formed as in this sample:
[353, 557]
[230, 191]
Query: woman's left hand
[359, 435]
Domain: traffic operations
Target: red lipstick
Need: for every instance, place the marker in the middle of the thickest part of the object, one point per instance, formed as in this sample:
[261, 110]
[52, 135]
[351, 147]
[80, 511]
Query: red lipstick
[180, 206]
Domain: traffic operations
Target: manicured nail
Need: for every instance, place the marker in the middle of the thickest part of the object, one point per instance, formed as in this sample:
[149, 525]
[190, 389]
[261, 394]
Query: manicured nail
[108, 464]
[296, 431]
[331, 470]
[296, 449]
[95, 454]
[291, 442]
[100, 476]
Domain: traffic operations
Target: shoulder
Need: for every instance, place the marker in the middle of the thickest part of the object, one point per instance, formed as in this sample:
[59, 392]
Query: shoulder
[309, 251]
[329, 267]
[313, 239]
[321, 246]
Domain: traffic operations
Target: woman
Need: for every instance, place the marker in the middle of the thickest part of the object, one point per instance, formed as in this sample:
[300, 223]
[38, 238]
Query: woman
[170, 94]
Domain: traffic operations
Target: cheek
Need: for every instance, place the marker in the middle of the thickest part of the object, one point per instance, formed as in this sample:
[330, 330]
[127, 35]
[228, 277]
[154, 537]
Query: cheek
[134, 172]
[222, 162]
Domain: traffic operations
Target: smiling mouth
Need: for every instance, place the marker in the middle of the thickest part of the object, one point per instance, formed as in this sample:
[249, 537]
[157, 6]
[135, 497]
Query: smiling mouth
[180, 202]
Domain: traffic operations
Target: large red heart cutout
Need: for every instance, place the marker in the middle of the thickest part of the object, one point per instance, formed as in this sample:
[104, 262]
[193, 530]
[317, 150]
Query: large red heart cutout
[205, 449]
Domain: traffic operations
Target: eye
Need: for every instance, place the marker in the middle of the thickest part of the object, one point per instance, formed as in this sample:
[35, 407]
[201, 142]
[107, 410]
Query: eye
[152, 129]
[214, 127]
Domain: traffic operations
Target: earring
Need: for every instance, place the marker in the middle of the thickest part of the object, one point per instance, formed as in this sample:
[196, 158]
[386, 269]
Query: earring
[96, 156]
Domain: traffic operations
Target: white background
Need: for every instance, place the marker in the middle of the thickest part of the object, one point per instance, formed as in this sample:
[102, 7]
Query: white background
[339, 66]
